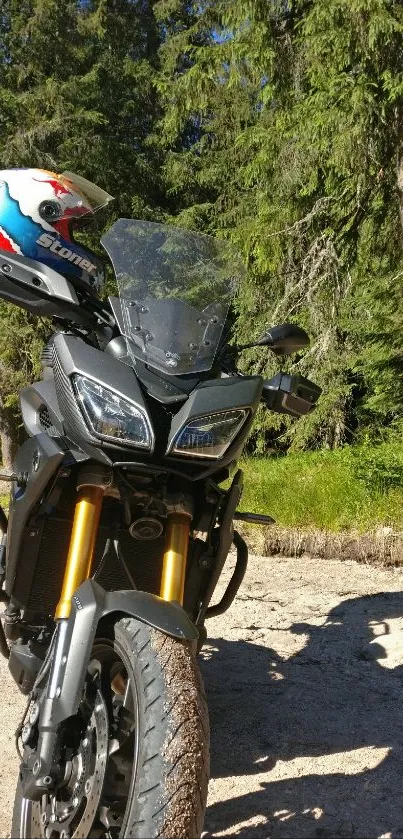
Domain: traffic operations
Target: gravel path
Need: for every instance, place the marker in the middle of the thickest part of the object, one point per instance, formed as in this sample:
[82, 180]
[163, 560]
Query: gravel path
[307, 734]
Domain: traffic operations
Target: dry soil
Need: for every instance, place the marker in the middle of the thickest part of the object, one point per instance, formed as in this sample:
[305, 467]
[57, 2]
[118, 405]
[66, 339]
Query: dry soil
[307, 731]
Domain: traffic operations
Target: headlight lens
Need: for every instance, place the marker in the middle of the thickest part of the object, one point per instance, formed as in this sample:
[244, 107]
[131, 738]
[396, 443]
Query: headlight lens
[109, 416]
[209, 436]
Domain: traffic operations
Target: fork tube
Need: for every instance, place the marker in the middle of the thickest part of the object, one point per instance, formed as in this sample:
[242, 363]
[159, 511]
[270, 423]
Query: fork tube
[175, 556]
[82, 543]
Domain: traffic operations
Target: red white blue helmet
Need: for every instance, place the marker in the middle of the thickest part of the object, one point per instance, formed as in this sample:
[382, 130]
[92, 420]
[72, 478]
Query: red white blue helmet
[38, 210]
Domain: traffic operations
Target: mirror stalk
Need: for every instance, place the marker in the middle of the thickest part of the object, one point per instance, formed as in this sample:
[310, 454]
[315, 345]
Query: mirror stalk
[281, 340]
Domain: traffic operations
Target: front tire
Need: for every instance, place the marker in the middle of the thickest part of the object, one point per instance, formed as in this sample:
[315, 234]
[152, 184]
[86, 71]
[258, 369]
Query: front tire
[166, 745]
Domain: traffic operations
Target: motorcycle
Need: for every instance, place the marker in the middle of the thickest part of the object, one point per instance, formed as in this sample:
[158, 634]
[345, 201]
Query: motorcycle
[119, 526]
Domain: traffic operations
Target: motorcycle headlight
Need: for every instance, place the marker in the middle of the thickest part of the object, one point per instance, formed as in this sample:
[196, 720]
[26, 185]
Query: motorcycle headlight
[110, 416]
[209, 436]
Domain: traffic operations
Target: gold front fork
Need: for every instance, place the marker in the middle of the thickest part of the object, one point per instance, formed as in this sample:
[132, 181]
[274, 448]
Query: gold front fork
[175, 556]
[83, 536]
[82, 543]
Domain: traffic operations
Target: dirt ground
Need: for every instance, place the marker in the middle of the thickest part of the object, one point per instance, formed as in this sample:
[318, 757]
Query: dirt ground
[307, 730]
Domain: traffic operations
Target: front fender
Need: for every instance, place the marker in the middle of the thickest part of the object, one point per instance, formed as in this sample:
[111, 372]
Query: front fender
[71, 654]
[90, 604]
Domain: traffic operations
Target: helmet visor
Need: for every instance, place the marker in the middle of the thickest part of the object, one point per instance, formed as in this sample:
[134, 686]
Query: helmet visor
[66, 197]
[94, 198]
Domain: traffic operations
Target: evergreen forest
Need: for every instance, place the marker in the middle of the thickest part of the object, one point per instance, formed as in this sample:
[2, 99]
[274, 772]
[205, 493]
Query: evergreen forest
[277, 124]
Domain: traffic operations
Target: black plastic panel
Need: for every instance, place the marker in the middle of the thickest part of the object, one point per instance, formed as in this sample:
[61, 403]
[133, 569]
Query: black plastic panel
[40, 458]
[34, 401]
[291, 394]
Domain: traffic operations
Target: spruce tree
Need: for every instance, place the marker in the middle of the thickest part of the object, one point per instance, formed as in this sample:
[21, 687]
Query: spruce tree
[298, 159]
[76, 92]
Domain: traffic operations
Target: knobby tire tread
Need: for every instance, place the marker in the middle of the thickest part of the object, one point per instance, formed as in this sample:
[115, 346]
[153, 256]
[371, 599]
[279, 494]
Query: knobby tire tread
[172, 789]
[168, 799]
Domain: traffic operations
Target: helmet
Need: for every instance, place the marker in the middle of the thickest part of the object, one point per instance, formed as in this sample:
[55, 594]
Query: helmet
[38, 210]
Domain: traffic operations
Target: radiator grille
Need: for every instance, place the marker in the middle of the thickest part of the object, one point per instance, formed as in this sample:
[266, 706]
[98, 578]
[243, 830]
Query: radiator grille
[47, 354]
[144, 560]
[46, 423]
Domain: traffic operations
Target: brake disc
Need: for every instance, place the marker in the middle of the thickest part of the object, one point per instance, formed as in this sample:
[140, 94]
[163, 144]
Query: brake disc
[72, 810]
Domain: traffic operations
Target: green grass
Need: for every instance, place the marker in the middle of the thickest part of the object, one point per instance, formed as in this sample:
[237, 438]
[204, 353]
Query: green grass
[353, 488]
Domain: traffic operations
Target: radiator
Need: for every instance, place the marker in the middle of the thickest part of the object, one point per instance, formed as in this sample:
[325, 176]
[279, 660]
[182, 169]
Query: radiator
[144, 560]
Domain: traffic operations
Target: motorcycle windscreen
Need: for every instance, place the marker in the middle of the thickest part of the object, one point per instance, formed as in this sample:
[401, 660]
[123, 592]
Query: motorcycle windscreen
[175, 289]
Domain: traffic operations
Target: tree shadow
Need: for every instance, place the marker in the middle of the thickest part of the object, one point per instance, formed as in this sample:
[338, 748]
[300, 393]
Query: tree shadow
[325, 700]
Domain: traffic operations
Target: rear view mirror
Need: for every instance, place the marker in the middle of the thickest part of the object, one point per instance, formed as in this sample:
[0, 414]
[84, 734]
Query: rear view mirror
[284, 339]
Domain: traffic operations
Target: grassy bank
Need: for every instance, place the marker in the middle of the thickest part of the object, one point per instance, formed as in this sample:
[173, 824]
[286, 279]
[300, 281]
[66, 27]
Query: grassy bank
[357, 488]
[354, 488]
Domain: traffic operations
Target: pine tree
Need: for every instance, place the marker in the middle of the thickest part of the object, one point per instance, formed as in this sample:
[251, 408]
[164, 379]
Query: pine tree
[76, 92]
[298, 158]
[80, 93]
[279, 125]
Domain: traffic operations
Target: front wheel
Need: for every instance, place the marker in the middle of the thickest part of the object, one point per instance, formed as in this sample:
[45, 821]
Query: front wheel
[136, 755]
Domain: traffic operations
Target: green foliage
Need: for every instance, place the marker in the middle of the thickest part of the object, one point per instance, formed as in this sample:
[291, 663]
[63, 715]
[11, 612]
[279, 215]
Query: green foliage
[79, 93]
[4, 501]
[22, 337]
[76, 92]
[355, 487]
[296, 155]
[379, 468]
[278, 125]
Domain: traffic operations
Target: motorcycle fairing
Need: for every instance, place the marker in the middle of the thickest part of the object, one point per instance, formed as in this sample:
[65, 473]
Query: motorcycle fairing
[39, 460]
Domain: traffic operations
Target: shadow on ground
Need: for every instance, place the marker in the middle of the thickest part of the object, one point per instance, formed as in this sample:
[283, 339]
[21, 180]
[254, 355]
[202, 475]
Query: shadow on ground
[322, 702]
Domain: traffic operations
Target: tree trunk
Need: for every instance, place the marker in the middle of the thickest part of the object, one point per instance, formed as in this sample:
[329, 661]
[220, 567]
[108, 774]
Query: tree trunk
[399, 160]
[8, 437]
